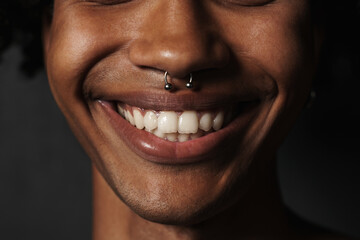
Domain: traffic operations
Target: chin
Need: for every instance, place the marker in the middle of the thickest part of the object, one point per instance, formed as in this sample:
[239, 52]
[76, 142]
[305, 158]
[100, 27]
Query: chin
[180, 195]
[178, 211]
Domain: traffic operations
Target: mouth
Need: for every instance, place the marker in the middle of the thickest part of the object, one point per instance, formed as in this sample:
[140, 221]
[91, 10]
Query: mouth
[181, 134]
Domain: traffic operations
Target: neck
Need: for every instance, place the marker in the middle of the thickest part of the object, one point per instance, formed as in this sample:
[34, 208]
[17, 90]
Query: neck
[260, 213]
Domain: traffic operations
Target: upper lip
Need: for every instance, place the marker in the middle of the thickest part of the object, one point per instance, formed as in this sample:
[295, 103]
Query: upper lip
[186, 100]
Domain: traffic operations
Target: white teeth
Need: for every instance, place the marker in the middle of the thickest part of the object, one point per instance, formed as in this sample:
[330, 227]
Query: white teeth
[168, 122]
[171, 137]
[188, 122]
[121, 110]
[159, 133]
[173, 126]
[138, 119]
[205, 122]
[183, 137]
[129, 117]
[218, 121]
[150, 120]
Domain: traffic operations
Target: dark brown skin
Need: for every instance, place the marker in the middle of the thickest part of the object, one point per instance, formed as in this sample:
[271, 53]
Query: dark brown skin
[97, 50]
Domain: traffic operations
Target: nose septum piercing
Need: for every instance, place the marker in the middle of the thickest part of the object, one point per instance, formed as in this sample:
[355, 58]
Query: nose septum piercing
[168, 86]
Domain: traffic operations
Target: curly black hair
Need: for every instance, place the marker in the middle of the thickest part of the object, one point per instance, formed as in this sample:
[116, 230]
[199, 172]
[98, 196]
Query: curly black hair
[20, 22]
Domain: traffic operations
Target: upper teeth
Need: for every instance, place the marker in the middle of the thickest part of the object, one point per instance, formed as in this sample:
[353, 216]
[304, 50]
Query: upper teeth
[171, 125]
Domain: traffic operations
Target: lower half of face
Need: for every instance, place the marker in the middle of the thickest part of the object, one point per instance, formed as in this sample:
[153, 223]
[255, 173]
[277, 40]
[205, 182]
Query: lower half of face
[173, 155]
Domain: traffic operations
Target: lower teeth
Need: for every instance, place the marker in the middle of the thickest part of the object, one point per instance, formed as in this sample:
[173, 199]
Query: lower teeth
[178, 137]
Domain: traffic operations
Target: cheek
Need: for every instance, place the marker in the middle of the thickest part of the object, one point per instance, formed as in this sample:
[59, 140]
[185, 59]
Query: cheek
[77, 42]
[287, 55]
[280, 42]
[70, 50]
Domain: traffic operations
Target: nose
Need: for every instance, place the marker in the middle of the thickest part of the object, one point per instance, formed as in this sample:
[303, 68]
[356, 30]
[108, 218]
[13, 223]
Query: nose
[176, 36]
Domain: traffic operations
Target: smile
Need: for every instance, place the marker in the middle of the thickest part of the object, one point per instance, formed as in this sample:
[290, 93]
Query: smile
[175, 126]
[175, 136]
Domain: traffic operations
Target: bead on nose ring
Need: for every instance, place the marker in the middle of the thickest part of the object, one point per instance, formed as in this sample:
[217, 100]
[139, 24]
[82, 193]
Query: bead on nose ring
[189, 84]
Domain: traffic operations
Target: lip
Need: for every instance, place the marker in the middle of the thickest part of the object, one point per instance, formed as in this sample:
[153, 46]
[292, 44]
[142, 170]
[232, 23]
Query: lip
[157, 150]
[179, 101]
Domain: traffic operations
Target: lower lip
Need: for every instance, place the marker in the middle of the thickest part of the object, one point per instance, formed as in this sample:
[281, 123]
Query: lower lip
[158, 150]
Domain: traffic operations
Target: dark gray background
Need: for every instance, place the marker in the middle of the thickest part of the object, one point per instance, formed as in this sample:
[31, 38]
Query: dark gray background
[45, 178]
